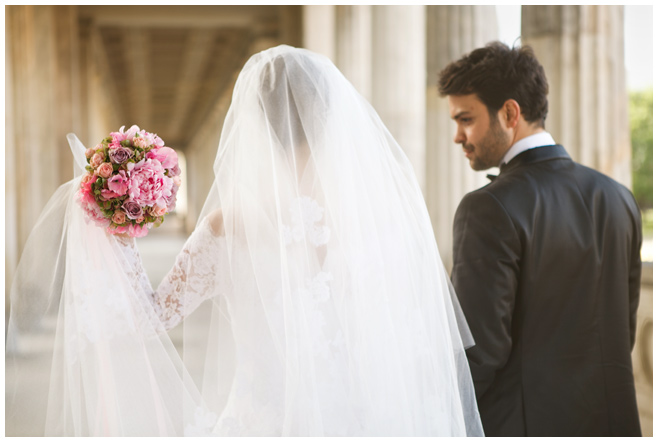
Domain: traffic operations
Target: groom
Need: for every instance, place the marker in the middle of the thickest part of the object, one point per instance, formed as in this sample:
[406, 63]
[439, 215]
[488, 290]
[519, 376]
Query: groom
[546, 261]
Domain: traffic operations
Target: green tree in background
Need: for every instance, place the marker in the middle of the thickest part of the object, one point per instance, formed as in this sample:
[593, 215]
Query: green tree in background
[641, 122]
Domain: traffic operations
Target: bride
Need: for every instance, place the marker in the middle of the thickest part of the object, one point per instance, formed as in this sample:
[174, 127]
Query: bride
[326, 308]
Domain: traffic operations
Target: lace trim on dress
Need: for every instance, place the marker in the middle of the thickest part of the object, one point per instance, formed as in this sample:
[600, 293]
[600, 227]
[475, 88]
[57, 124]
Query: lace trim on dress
[193, 279]
[305, 212]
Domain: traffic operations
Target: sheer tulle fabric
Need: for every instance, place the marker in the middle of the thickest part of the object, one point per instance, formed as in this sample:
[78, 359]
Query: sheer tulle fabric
[331, 313]
[81, 310]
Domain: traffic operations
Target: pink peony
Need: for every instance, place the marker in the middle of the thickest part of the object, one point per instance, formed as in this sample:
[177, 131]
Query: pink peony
[91, 209]
[166, 155]
[105, 170]
[148, 185]
[120, 136]
[119, 217]
[175, 171]
[118, 183]
[113, 230]
[137, 231]
[177, 181]
[107, 195]
[171, 200]
[96, 160]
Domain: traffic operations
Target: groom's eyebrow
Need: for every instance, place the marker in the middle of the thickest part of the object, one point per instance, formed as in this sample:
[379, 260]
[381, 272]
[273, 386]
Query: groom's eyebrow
[459, 115]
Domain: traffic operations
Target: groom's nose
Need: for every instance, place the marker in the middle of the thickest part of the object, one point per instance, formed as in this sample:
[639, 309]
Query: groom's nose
[460, 137]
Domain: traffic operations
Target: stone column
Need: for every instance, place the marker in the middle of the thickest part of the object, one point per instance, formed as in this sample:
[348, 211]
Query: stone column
[319, 33]
[354, 46]
[12, 37]
[41, 56]
[582, 51]
[200, 153]
[398, 76]
[290, 29]
[104, 115]
[452, 31]
[643, 352]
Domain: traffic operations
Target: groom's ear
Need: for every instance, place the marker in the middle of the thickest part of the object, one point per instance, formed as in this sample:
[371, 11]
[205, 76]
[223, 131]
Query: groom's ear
[511, 112]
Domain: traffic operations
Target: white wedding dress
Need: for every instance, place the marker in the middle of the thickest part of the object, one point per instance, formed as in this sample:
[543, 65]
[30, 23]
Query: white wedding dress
[313, 283]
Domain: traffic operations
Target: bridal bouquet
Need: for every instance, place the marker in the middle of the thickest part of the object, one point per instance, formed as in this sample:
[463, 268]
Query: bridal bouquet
[131, 182]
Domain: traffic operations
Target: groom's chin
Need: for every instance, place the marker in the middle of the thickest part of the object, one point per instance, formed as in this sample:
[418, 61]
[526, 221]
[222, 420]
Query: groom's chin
[477, 165]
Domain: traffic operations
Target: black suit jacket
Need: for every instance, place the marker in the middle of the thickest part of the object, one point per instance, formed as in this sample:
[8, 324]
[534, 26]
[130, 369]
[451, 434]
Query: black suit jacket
[547, 270]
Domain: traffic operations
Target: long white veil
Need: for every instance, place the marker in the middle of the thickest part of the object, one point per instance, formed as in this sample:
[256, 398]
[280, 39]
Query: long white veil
[334, 314]
[86, 355]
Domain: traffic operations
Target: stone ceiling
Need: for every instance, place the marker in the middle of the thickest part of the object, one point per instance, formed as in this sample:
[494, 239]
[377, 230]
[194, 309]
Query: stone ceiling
[178, 60]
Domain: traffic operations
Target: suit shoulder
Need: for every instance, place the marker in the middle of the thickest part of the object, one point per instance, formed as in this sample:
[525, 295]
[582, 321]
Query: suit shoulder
[603, 181]
[481, 200]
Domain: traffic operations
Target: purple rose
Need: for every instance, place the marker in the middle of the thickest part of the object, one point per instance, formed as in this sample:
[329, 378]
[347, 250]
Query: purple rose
[133, 210]
[120, 155]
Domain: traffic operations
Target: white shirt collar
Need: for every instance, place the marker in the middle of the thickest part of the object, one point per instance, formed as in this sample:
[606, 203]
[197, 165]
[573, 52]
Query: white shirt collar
[530, 142]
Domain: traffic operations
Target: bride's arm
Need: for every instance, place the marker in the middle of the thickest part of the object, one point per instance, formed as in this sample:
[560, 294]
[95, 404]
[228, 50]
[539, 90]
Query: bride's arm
[194, 276]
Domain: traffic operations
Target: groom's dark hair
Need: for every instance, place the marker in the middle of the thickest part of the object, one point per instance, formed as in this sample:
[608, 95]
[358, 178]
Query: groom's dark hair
[496, 73]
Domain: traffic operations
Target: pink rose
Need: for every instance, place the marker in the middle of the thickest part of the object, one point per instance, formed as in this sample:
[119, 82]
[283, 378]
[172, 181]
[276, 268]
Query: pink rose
[148, 185]
[118, 183]
[141, 142]
[140, 220]
[85, 186]
[90, 152]
[149, 138]
[119, 217]
[88, 178]
[96, 160]
[158, 210]
[105, 170]
[166, 155]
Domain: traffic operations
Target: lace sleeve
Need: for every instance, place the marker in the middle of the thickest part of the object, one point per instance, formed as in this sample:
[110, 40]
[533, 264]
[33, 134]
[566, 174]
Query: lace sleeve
[193, 279]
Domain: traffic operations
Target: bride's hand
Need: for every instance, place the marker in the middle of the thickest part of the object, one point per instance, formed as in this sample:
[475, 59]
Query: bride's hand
[123, 238]
[216, 221]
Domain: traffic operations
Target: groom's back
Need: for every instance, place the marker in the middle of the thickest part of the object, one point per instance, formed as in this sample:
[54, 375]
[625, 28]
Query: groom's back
[571, 238]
